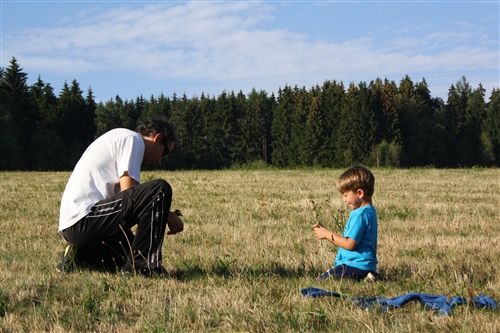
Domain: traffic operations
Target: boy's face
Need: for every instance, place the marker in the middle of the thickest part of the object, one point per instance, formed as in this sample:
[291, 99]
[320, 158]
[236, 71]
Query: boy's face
[353, 199]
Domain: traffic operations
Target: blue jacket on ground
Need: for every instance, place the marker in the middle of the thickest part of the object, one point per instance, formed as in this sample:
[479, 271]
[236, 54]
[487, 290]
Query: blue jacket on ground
[443, 304]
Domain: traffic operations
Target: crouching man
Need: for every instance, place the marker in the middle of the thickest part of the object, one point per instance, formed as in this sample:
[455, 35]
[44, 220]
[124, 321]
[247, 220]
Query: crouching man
[104, 199]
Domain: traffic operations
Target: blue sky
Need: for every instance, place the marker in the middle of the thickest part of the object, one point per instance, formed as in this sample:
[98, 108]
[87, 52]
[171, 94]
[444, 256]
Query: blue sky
[133, 48]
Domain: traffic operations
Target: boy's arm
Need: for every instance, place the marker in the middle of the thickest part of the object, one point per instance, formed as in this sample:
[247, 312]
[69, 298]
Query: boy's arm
[322, 233]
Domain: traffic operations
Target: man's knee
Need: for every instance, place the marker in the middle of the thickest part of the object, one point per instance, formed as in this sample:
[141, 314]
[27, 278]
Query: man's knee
[164, 191]
[159, 185]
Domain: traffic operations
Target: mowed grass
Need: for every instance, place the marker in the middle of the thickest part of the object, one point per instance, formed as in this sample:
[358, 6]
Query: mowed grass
[248, 249]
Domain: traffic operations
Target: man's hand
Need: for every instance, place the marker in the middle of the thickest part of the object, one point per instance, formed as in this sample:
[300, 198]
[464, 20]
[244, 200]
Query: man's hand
[174, 222]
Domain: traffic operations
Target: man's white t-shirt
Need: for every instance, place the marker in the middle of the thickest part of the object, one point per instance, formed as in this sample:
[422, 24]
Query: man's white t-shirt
[97, 174]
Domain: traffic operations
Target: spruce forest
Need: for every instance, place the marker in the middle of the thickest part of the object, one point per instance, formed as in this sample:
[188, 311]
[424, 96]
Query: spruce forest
[383, 123]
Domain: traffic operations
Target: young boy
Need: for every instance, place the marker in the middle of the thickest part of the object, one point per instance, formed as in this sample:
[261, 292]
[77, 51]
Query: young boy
[357, 254]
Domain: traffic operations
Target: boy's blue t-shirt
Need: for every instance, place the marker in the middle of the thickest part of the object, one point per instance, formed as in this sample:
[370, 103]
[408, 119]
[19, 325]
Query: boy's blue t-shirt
[362, 227]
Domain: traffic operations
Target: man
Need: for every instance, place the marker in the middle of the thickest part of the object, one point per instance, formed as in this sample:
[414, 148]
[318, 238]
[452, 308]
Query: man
[104, 199]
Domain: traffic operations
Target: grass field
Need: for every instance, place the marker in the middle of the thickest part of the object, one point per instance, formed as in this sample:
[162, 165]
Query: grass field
[248, 249]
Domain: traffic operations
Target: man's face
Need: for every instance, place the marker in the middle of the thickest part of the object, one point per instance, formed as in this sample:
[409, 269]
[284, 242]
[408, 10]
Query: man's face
[156, 151]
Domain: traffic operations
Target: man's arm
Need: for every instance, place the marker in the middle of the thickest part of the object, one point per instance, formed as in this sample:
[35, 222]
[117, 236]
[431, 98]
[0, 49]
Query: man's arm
[127, 182]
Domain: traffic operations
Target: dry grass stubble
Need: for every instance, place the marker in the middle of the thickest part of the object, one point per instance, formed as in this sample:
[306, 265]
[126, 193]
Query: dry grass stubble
[248, 249]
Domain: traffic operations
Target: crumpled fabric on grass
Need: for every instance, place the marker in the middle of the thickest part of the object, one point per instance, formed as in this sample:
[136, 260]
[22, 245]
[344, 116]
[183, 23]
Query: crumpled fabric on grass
[443, 304]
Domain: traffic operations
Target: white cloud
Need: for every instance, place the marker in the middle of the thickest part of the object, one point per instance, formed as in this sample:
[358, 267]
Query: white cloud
[225, 42]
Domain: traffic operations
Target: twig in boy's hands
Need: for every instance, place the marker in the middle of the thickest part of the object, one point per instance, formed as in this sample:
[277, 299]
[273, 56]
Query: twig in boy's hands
[178, 212]
[313, 206]
[317, 224]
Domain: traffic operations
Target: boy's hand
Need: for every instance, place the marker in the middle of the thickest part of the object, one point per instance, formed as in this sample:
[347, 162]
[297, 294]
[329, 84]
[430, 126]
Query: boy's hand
[318, 225]
[320, 231]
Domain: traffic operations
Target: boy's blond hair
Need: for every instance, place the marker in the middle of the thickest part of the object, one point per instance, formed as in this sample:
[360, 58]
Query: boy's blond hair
[357, 177]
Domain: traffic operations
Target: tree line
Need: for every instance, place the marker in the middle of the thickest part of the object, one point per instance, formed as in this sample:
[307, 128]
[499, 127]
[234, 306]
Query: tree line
[382, 123]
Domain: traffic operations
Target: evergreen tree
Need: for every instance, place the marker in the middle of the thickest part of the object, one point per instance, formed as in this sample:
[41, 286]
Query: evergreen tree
[490, 135]
[45, 103]
[48, 148]
[21, 113]
[9, 146]
[390, 113]
[349, 150]
[137, 111]
[475, 116]
[281, 127]
[76, 124]
[164, 106]
[314, 136]
[256, 126]
[160, 106]
[298, 120]
[429, 135]
[239, 146]
[331, 97]
[368, 122]
[221, 126]
[109, 116]
[408, 116]
[191, 129]
[455, 122]
[377, 108]
[387, 151]
[207, 109]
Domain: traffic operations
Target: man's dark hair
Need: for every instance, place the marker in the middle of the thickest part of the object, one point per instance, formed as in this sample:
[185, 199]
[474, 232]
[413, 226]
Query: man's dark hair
[159, 125]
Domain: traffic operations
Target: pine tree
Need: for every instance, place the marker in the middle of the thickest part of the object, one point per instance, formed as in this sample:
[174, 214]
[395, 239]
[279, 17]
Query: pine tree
[256, 126]
[298, 120]
[490, 135]
[239, 143]
[191, 129]
[22, 113]
[108, 116]
[390, 113]
[314, 135]
[48, 148]
[9, 147]
[475, 116]
[455, 122]
[281, 127]
[348, 150]
[368, 122]
[332, 95]
[221, 125]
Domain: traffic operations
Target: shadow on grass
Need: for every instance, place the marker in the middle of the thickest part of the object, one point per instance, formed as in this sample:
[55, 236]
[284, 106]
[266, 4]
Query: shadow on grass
[403, 272]
[230, 271]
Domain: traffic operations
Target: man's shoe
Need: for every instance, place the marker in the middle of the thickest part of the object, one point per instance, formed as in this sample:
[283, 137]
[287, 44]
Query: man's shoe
[68, 259]
[127, 270]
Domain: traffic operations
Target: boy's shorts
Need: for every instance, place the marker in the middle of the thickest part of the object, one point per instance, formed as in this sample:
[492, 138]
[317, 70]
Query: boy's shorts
[345, 272]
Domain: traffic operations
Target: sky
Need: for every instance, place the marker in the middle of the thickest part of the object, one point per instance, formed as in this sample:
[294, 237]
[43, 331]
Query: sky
[148, 48]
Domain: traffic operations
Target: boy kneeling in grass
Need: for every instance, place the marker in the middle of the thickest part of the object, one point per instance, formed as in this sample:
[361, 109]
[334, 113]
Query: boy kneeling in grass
[357, 254]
